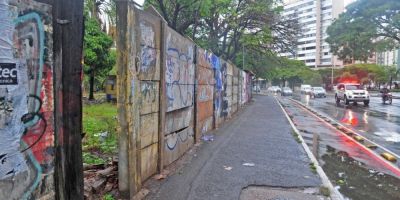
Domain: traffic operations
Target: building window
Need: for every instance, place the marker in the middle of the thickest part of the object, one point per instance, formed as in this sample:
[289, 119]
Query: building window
[310, 61]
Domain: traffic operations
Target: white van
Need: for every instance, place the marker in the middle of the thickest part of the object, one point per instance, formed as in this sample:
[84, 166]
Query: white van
[305, 89]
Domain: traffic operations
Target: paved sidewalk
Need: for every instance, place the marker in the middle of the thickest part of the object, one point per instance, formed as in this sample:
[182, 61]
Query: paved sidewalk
[260, 134]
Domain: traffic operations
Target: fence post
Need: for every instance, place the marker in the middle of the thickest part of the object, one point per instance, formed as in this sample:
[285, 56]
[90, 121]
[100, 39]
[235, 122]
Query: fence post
[68, 47]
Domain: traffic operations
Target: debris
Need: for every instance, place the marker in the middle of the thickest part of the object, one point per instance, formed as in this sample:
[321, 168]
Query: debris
[340, 174]
[106, 172]
[160, 176]
[207, 138]
[248, 164]
[141, 194]
[227, 168]
[89, 167]
[98, 184]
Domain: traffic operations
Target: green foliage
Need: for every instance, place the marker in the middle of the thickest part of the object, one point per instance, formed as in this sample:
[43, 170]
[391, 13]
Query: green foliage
[294, 72]
[108, 197]
[100, 118]
[224, 26]
[364, 73]
[351, 39]
[98, 56]
[367, 26]
[91, 159]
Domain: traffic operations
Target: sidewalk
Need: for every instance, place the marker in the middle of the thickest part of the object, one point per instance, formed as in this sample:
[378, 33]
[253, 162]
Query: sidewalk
[261, 135]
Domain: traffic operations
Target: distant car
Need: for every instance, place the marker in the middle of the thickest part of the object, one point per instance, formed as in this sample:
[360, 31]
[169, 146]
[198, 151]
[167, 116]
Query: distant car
[305, 89]
[286, 91]
[318, 92]
[274, 89]
[351, 92]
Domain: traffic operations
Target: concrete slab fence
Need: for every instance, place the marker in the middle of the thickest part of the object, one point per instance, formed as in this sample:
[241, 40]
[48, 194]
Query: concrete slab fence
[170, 93]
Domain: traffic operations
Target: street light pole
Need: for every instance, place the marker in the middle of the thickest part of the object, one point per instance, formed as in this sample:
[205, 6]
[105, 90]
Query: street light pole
[243, 56]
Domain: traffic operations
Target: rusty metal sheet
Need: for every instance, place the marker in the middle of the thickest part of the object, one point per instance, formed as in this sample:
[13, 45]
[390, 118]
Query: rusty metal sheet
[149, 93]
[205, 93]
[148, 129]
[149, 158]
[205, 76]
[176, 144]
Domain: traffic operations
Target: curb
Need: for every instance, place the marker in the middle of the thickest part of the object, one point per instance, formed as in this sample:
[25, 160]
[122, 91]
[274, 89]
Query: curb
[335, 194]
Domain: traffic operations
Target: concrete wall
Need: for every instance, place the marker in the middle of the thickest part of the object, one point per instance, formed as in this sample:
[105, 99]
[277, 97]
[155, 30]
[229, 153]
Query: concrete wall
[204, 92]
[170, 93]
[26, 100]
[179, 84]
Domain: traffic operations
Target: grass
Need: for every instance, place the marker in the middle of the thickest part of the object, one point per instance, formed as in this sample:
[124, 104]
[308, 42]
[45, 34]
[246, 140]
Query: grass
[296, 136]
[99, 126]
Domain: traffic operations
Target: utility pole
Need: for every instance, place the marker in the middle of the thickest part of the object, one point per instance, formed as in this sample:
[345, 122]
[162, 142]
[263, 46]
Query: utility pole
[243, 56]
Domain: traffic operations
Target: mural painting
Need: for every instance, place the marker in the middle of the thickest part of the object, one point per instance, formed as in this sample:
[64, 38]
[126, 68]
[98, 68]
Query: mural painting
[26, 100]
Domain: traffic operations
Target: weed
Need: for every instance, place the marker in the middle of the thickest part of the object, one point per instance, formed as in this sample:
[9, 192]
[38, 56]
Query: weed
[99, 124]
[324, 191]
[296, 136]
[313, 168]
[108, 197]
[91, 159]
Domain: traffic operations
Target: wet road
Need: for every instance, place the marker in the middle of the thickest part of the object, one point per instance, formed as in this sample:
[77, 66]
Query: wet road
[378, 122]
[355, 171]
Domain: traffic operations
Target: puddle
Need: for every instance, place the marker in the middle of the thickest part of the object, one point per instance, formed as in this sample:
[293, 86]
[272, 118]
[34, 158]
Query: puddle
[356, 181]
[357, 173]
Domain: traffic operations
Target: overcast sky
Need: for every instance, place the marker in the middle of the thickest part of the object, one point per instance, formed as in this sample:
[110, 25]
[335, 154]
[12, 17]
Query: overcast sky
[139, 2]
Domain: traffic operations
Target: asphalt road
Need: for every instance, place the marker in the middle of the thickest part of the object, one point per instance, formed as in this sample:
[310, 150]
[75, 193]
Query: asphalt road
[378, 122]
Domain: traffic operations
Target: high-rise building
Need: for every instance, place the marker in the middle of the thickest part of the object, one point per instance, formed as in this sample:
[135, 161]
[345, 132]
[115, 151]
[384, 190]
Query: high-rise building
[314, 17]
[389, 58]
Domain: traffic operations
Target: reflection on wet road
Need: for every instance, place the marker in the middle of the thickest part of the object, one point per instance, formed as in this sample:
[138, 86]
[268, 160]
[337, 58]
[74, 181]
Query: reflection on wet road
[378, 122]
[356, 172]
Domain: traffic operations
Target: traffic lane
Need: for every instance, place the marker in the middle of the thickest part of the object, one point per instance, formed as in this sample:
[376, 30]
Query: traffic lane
[379, 123]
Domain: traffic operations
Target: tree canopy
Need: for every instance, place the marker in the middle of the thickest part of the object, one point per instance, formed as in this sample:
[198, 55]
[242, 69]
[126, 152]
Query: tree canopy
[226, 26]
[367, 26]
[98, 58]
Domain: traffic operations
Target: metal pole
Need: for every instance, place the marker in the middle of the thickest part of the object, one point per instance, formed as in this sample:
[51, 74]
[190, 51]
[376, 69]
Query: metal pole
[243, 56]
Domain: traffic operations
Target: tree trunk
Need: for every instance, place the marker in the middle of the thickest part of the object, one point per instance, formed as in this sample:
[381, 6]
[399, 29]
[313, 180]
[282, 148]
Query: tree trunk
[91, 85]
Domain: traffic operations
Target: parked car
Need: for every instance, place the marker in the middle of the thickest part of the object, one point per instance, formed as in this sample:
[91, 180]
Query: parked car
[274, 89]
[318, 92]
[305, 89]
[351, 92]
[286, 91]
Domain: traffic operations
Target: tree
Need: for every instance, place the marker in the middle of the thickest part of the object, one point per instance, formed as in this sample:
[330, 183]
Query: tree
[351, 39]
[225, 26]
[98, 58]
[367, 26]
[383, 15]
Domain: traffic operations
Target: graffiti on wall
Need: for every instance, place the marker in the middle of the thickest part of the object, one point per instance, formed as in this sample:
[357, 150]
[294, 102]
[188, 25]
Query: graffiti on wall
[26, 98]
[179, 73]
[148, 50]
[220, 97]
[205, 92]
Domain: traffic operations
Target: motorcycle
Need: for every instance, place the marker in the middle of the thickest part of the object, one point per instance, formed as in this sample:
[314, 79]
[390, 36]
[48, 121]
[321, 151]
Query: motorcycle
[387, 97]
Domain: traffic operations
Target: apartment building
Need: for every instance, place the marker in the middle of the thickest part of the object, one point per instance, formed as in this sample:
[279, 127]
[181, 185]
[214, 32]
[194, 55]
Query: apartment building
[314, 17]
[389, 58]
